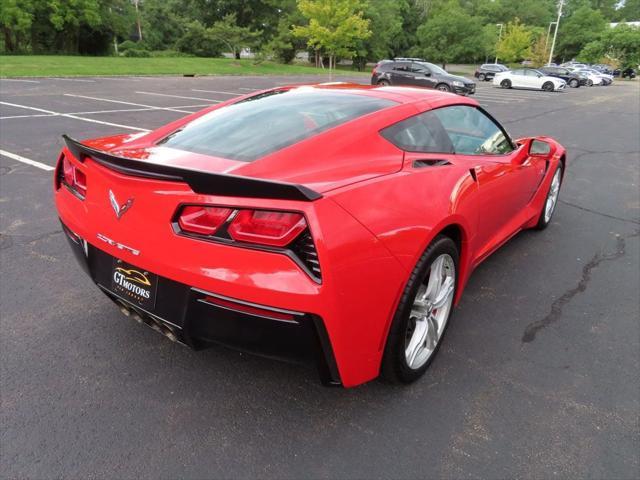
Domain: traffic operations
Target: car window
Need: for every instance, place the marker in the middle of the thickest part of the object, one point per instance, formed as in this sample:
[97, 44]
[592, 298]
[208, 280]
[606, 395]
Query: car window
[472, 132]
[417, 68]
[262, 124]
[518, 72]
[401, 67]
[420, 133]
[531, 73]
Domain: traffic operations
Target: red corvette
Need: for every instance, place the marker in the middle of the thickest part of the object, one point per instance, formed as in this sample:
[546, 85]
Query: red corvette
[337, 223]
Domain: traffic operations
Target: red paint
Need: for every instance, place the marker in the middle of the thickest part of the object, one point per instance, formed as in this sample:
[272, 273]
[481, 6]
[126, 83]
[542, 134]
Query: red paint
[377, 215]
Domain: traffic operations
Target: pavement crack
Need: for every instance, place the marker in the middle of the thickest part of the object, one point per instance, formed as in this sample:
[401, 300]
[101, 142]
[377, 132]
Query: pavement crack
[7, 240]
[585, 209]
[533, 328]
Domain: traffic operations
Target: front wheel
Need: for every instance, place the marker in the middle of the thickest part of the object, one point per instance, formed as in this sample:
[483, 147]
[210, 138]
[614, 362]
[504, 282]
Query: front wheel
[590, 83]
[383, 83]
[552, 200]
[505, 83]
[482, 77]
[423, 313]
[443, 87]
[547, 87]
[574, 83]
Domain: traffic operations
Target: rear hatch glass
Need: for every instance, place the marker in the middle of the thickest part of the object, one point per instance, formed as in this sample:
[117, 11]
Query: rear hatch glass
[260, 125]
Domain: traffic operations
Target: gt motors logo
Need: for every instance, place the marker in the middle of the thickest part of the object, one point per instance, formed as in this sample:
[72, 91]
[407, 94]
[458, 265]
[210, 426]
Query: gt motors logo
[134, 282]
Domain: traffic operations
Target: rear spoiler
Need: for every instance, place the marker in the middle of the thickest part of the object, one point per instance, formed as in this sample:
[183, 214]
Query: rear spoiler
[200, 182]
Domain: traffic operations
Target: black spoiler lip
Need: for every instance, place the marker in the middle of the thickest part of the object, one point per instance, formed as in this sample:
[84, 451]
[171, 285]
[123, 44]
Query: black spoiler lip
[206, 183]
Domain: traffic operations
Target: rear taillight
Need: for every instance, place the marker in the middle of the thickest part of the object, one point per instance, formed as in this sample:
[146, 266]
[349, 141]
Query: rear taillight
[277, 229]
[74, 178]
[273, 230]
[202, 220]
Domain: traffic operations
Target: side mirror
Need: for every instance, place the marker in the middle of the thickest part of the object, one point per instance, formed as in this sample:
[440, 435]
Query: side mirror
[539, 148]
[427, 74]
[539, 76]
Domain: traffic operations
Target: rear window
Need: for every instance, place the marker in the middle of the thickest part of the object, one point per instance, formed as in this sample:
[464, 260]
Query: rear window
[263, 124]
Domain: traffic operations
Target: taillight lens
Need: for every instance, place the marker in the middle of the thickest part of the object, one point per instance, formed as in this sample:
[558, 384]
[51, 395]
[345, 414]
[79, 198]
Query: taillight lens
[202, 220]
[277, 229]
[73, 177]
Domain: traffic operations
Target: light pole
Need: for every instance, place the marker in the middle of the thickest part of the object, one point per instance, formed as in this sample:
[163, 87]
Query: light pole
[499, 37]
[549, 33]
[555, 32]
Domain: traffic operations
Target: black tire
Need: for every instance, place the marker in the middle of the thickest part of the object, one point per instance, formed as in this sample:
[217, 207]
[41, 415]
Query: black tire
[394, 363]
[506, 83]
[443, 87]
[547, 87]
[383, 83]
[482, 77]
[542, 221]
[574, 83]
[590, 83]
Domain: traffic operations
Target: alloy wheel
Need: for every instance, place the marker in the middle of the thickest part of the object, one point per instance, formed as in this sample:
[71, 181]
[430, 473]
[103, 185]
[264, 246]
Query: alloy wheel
[430, 311]
[552, 197]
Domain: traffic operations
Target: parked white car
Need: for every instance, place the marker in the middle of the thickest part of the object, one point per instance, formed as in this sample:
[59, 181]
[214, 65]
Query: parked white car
[528, 78]
[593, 78]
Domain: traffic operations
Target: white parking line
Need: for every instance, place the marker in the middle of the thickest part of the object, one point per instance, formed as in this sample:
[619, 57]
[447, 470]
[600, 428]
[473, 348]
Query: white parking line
[18, 80]
[216, 91]
[28, 161]
[170, 109]
[250, 89]
[180, 96]
[75, 117]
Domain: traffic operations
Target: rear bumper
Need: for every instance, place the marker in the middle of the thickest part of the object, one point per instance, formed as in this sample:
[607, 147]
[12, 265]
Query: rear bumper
[199, 318]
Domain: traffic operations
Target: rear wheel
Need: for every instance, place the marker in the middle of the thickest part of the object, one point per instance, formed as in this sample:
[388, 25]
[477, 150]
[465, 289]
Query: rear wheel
[574, 83]
[590, 83]
[547, 87]
[505, 83]
[482, 77]
[383, 83]
[443, 87]
[423, 313]
[552, 200]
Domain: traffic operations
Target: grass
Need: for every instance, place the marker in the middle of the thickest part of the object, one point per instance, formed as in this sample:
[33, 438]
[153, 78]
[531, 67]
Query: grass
[69, 66]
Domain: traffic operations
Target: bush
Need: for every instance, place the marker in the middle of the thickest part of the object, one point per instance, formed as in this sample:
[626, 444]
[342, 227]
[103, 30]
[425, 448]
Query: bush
[169, 53]
[128, 45]
[198, 41]
[136, 52]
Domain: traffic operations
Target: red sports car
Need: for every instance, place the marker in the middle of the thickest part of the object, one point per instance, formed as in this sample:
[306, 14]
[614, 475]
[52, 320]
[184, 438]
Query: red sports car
[337, 223]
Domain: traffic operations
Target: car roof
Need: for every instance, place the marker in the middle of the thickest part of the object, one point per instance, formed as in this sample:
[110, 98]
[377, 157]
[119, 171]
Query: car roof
[401, 95]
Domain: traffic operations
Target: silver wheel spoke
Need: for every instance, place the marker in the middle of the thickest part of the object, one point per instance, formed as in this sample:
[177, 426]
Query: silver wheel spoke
[435, 278]
[430, 311]
[443, 295]
[416, 344]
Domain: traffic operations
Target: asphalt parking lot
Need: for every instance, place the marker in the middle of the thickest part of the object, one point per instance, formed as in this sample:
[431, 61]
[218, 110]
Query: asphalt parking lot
[538, 376]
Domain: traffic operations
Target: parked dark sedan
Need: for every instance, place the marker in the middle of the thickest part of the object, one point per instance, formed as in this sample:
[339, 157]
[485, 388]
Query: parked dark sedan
[573, 79]
[488, 70]
[627, 72]
[418, 73]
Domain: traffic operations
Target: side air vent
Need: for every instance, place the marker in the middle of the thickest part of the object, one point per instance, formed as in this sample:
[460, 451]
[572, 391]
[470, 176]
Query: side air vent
[430, 162]
[305, 250]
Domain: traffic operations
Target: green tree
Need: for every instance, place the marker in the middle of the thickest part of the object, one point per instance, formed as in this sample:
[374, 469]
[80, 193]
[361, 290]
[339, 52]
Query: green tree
[628, 11]
[15, 19]
[619, 46]
[162, 24]
[235, 37]
[450, 34]
[198, 40]
[583, 26]
[335, 27]
[386, 20]
[540, 51]
[515, 44]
